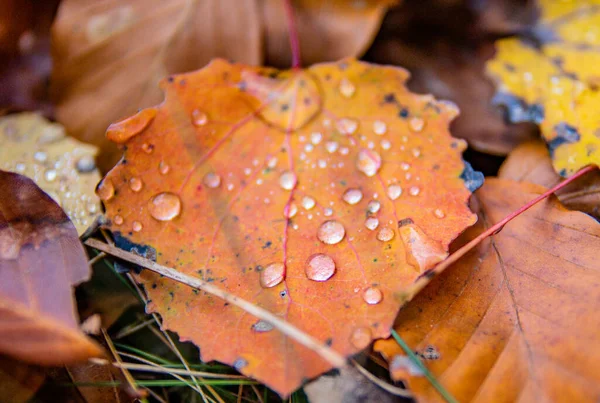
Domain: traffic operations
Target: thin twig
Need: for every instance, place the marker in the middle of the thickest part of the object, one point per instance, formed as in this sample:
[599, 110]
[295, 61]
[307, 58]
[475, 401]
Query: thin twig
[96, 258]
[394, 390]
[328, 354]
[153, 367]
[130, 380]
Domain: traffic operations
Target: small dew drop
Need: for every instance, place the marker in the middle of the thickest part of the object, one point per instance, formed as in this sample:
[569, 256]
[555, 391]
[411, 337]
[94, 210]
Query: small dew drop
[328, 212]
[106, 190]
[262, 326]
[361, 337]
[92, 208]
[147, 148]
[199, 118]
[40, 156]
[20, 167]
[118, 220]
[322, 164]
[404, 166]
[344, 150]
[416, 152]
[416, 124]
[372, 223]
[50, 175]
[320, 267]
[308, 202]
[386, 145]
[347, 89]
[272, 275]
[414, 190]
[135, 184]
[288, 180]
[331, 232]
[331, 146]
[385, 234]
[352, 196]
[290, 211]
[379, 127]
[346, 126]
[163, 168]
[136, 226]
[439, 213]
[373, 206]
[85, 164]
[372, 296]
[272, 163]
[368, 162]
[394, 191]
[309, 147]
[164, 206]
[316, 137]
[212, 180]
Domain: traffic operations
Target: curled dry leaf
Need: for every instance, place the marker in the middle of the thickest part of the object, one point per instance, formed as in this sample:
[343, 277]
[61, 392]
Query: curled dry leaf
[63, 167]
[550, 78]
[515, 319]
[531, 162]
[40, 260]
[109, 56]
[319, 195]
[327, 30]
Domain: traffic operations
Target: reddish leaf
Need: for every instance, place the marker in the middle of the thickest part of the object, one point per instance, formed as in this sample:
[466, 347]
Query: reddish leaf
[343, 150]
[40, 260]
[516, 318]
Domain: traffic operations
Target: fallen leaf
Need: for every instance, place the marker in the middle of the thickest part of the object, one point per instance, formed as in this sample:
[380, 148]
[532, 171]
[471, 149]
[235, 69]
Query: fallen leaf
[19, 381]
[287, 188]
[109, 57]
[63, 167]
[548, 77]
[89, 373]
[531, 163]
[327, 30]
[516, 318]
[40, 260]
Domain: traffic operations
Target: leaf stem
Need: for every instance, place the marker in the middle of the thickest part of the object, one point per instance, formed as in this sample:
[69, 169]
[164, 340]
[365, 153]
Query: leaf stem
[413, 357]
[293, 33]
[328, 354]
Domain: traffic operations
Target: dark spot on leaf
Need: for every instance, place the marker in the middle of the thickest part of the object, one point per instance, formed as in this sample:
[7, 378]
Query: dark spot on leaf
[329, 342]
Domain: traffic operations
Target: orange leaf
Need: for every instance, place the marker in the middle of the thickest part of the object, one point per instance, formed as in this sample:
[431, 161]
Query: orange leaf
[515, 319]
[287, 189]
[40, 260]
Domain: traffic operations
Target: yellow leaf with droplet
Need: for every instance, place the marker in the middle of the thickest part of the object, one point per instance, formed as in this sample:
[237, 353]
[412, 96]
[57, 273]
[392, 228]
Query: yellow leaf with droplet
[290, 189]
[551, 78]
[61, 166]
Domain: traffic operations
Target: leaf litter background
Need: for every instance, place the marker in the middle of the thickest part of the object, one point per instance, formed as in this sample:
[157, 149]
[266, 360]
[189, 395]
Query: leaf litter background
[459, 45]
[364, 189]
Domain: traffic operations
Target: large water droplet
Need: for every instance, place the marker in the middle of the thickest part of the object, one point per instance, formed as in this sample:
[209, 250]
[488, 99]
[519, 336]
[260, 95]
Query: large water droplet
[352, 196]
[287, 180]
[164, 206]
[163, 168]
[373, 206]
[346, 126]
[199, 118]
[320, 267]
[372, 296]
[371, 223]
[368, 162]
[308, 202]
[85, 164]
[394, 191]
[262, 326]
[361, 337]
[385, 234]
[135, 184]
[379, 127]
[136, 226]
[212, 180]
[422, 252]
[272, 275]
[347, 89]
[331, 232]
[416, 124]
[105, 190]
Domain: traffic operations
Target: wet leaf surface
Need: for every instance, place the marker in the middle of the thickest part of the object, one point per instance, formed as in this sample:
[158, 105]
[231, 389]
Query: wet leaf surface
[549, 77]
[63, 167]
[531, 163]
[40, 260]
[514, 319]
[345, 187]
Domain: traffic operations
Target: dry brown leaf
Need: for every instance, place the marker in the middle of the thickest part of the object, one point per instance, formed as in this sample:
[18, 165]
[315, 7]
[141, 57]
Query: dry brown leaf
[531, 162]
[90, 373]
[516, 319]
[63, 167]
[327, 30]
[41, 258]
[18, 381]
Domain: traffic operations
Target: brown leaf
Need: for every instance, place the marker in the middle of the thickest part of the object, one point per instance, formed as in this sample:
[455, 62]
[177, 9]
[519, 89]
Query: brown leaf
[40, 259]
[516, 318]
[88, 373]
[327, 30]
[19, 381]
[531, 162]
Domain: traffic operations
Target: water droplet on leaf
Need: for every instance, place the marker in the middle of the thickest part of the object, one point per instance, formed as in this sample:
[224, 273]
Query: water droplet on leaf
[372, 296]
[50, 175]
[163, 168]
[361, 337]
[320, 267]
[352, 196]
[308, 202]
[331, 232]
[212, 180]
[371, 223]
[272, 275]
[106, 190]
[262, 326]
[368, 162]
[347, 89]
[136, 226]
[373, 206]
[135, 184]
[416, 124]
[394, 191]
[85, 164]
[414, 190]
[439, 213]
[379, 127]
[346, 126]
[331, 146]
[291, 210]
[199, 118]
[164, 206]
[287, 180]
[385, 234]
[118, 220]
